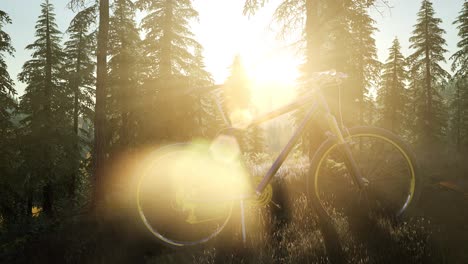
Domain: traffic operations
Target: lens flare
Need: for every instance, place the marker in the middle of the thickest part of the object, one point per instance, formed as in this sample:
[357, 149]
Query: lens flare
[186, 193]
[241, 118]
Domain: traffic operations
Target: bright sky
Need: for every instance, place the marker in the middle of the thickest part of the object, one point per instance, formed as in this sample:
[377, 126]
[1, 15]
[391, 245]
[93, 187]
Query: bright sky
[224, 32]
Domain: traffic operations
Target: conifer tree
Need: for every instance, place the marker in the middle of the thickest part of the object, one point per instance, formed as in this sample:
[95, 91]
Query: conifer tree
[393, 97]
[10, 200]
[364, 66]
[6, 83]
[428, 45]
[459, 100]
[168, 37]
[460, 57]
[124, 75]
[45, 104]
[458, 109]
[79, 75]
[206, 110]
[100, 129]
[237, 100]
[236, 89]
[7, 91]
[170, 48]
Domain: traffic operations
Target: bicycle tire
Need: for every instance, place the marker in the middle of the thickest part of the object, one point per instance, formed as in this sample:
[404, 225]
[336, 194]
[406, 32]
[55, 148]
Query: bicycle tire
[324, 155]
[175, 150]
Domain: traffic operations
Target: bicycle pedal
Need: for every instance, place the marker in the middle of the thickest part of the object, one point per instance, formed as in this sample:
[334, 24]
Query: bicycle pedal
[365, 181]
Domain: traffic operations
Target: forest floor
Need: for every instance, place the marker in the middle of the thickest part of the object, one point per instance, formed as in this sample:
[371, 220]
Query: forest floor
[446, 206]
[436, 232]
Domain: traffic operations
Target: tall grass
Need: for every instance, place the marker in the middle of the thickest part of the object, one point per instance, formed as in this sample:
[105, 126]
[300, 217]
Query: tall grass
[287, 231]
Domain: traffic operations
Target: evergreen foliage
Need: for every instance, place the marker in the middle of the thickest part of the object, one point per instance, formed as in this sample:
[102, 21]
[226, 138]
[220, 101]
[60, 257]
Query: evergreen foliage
[460, 57]
[428, 44]
[46, 129]
[79, 76]
[128, 83]
[393, 96]
[124, 76]
[175, 63]
[459, 100]
[11, 199]
[364, 66]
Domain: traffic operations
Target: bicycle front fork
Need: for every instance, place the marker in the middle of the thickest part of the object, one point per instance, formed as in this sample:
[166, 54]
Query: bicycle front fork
[356, 173]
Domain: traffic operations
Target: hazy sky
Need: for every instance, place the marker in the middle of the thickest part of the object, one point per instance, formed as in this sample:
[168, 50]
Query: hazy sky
[224, 32]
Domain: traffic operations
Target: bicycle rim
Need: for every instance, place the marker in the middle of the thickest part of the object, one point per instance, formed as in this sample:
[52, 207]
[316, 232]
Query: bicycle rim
[169, 212]
[385, 160]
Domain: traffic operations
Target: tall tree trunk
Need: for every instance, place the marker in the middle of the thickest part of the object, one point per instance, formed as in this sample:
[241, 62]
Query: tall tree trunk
[312, 28]
[47, 202]
[427, 61]
[166, 42]
[47, 189]
[459, 123]
[100, 108]
[393, 96]
[127, 99]
[76, 112]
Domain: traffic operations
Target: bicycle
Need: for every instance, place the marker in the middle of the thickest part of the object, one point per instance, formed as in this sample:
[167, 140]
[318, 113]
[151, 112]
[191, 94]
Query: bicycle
[191, 187]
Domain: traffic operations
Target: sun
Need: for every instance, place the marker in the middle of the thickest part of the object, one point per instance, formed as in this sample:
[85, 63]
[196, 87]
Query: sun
[272, 78]
[278, 69]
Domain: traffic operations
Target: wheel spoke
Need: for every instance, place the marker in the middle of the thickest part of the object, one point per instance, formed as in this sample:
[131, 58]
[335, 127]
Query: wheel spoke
[381, 162]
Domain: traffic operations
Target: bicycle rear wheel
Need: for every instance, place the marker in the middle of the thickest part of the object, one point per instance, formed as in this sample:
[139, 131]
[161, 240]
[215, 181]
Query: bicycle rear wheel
[386, 164]
[184, 196]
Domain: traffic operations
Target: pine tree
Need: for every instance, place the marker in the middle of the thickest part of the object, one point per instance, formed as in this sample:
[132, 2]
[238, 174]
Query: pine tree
[168, 37]
[6, 83]
[364, 66]
[393, 97]
[10, 200]
[124, 75]
[428, 45]
[79, 71]
[459, 100]
[7, 91]
[45, 105]
[205, 110]
[460, 58]
[237, 100]
[170, 48]
[458, 109]
[236, 89]
[100, 129]
[336, 35]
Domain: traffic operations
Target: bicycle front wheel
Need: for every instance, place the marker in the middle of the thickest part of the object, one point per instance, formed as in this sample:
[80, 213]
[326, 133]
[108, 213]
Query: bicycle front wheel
[387, 165]
[183, 195]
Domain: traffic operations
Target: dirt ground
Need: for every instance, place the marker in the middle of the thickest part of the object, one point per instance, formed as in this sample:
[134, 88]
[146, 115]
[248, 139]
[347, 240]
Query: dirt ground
[446, 206]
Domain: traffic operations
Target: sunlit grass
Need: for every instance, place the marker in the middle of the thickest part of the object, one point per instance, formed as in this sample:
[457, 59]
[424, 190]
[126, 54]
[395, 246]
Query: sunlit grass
[297, 239]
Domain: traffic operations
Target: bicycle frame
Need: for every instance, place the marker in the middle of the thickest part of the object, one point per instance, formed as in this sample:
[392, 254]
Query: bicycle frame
[311, 110]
